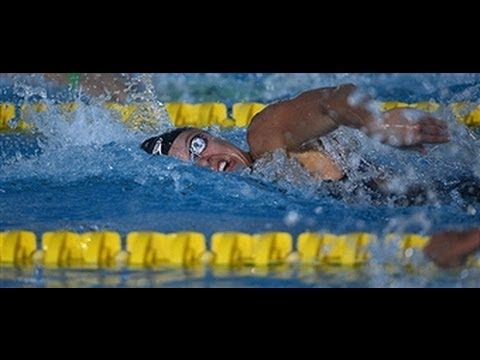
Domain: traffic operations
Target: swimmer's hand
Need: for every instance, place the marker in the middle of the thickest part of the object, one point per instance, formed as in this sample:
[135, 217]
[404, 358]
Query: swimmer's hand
[451, 248]
[408, 129]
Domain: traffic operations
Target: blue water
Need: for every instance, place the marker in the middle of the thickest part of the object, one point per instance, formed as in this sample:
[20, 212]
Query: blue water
[84, 171]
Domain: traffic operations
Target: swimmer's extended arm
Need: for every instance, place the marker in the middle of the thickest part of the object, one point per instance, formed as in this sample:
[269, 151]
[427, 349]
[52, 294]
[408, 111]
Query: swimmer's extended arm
[289, 124]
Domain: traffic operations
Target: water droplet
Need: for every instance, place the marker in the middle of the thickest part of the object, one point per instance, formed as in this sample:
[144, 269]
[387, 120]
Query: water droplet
[291, 218]
[471, 210]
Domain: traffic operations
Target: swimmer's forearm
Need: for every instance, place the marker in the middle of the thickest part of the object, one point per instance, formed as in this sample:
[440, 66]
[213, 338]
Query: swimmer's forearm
[312, 114]
[349, 106]
[404, 128]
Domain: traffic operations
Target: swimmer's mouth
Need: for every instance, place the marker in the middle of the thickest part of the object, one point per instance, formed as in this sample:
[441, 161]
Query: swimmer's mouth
[229, 165]
[224, 166]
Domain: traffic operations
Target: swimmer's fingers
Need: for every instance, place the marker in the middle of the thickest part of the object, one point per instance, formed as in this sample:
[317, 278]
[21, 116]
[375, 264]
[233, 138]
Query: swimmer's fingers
[413, 136]
[425, 138]
[433, 130]
[430, 121]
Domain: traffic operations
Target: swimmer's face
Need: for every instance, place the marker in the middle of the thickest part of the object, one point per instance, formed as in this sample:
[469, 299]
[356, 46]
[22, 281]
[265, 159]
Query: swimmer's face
[209, 151]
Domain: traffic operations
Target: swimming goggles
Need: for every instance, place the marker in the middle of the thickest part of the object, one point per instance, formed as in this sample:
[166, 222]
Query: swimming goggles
[198, 144]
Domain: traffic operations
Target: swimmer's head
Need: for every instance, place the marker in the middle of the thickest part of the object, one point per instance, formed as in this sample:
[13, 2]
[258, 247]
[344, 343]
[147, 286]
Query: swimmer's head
[196, 145]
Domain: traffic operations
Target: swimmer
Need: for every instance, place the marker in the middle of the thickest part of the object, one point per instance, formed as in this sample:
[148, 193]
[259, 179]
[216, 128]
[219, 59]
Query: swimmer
[299, 126]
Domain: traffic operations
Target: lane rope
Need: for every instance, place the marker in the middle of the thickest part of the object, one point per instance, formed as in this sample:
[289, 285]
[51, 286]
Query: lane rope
[149, 249]
[12, 118]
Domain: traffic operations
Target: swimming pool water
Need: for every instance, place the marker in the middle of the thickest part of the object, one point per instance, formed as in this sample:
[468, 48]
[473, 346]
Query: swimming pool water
[84, 171]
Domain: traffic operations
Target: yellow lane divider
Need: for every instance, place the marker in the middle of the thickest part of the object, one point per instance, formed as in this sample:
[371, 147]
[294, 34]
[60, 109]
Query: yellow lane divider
[206, 114]
[69, 249]
[147, 249]
[244, 112]
[17, 247]
[235, 249]
[408, 246]
[199, 115]
[425, 106]
[330, 249]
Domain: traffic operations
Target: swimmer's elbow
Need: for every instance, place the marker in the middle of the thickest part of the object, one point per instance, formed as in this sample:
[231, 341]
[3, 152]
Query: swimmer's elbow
[348, 87]
[344, 91]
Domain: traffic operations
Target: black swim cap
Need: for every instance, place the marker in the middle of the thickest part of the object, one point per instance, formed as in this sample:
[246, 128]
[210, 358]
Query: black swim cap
[161, 144]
